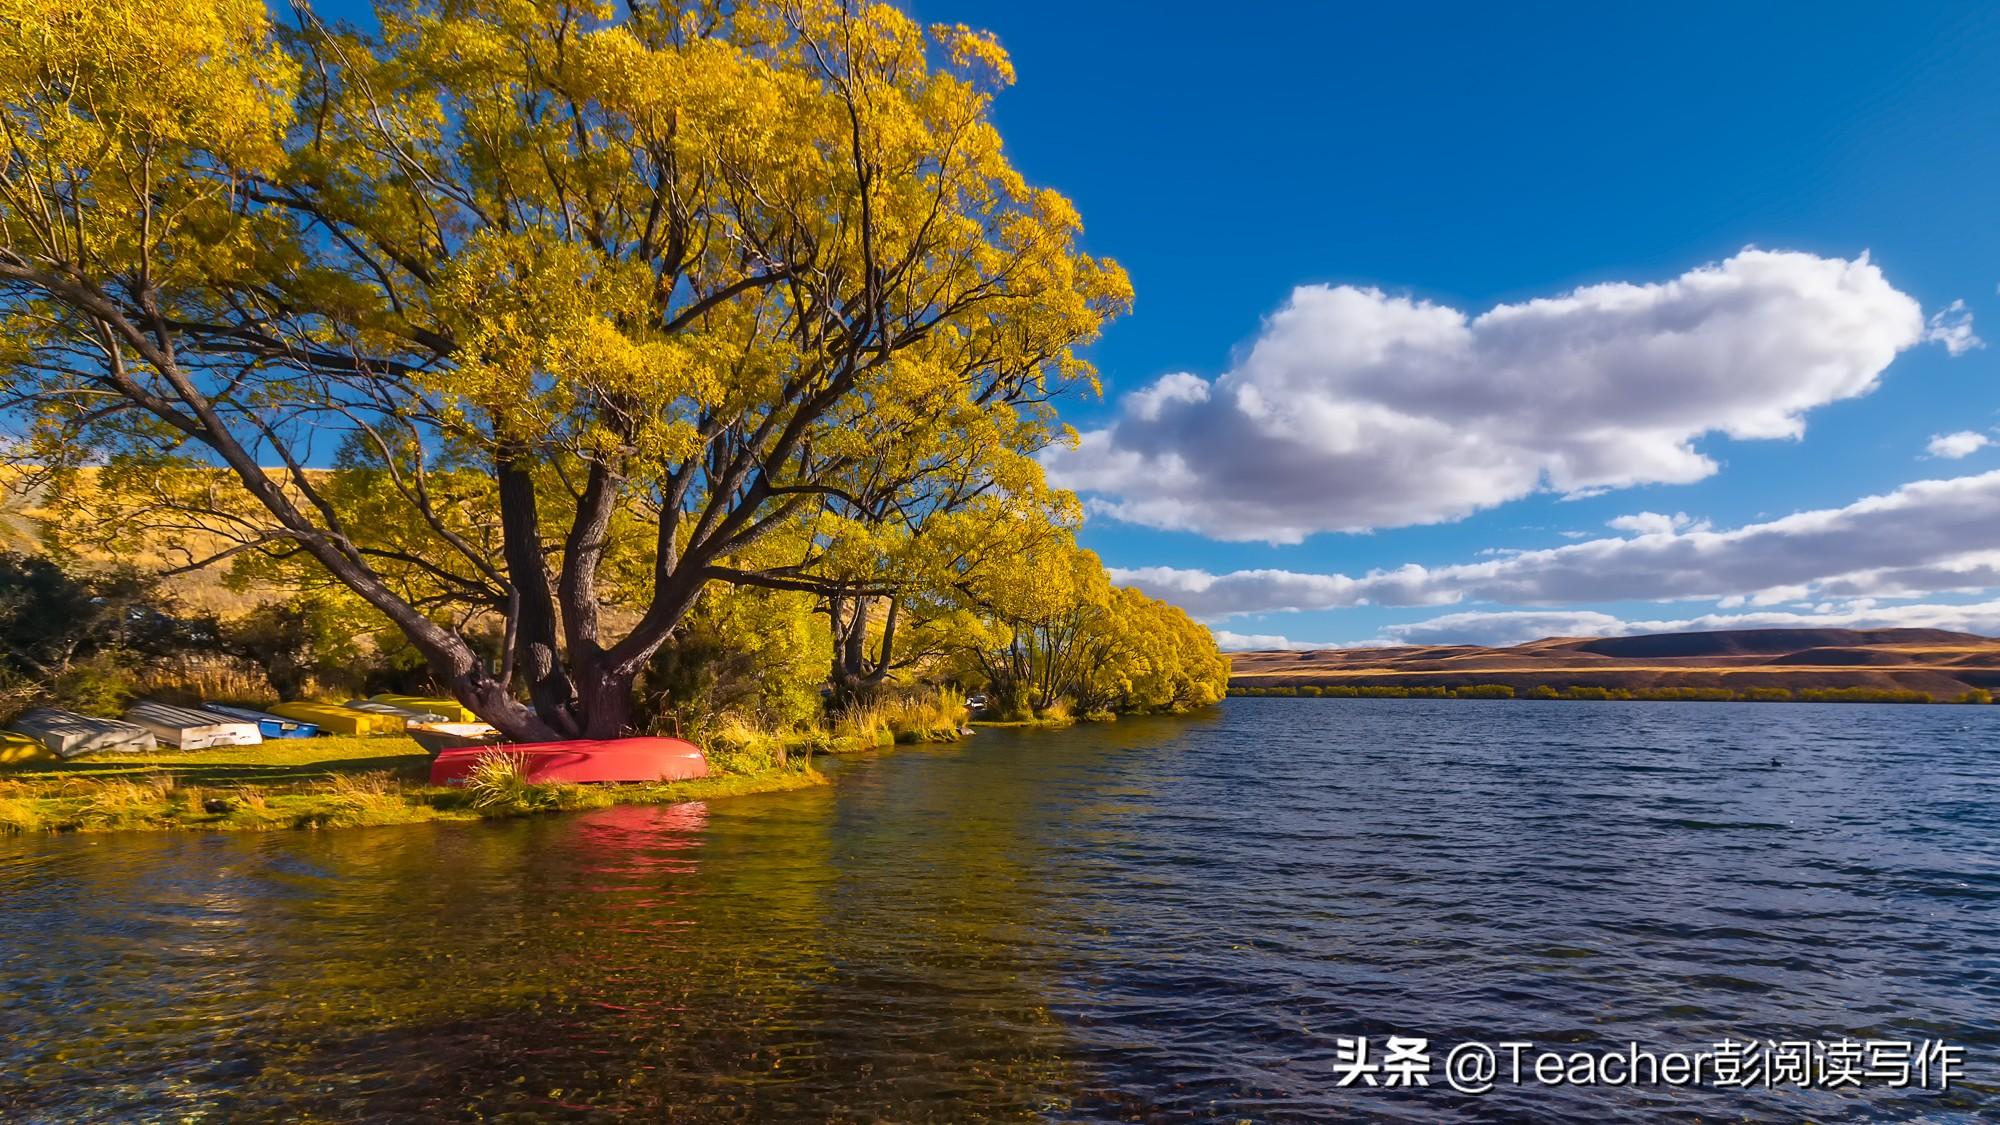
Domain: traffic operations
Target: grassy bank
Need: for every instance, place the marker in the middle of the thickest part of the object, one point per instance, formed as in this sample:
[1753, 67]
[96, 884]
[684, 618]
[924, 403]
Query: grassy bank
[354, 781]
[317, 783]
[1654, 695]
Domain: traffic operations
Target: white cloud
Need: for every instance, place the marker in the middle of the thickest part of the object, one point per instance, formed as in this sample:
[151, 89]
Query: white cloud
[1952, 327]
[1951, 447]
[1260, 642]
[1355, 409]
[1653, 523]
[1926, 537]
[1509, 627]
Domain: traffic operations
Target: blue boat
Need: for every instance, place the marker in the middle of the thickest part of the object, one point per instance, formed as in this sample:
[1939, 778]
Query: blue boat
[268, 725]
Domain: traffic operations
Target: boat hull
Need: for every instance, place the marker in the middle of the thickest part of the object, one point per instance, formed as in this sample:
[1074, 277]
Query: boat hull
[439, 737]
[335, 719]
[451, 709]
[188, 729]
[70, 735]
[583, 761]
[20, 750]
[269, 725]
[406, 714]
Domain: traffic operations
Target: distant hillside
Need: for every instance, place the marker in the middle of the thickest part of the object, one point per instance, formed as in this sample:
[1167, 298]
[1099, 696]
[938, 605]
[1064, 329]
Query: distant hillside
[1942, 663]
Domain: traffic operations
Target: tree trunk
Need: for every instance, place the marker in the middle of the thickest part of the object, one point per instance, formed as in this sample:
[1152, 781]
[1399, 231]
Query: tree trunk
[607, 704]
[537, 651]
[855, 675]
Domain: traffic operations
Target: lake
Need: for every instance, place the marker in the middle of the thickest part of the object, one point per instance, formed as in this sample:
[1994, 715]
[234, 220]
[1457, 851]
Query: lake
[1153, 920]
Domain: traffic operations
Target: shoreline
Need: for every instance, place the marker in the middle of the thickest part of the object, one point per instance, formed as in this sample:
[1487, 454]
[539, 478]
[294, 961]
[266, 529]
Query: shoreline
[383, 780]
[313, 784]
[1580, 694]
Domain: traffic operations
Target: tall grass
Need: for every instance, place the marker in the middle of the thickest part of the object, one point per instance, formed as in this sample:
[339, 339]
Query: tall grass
[499, 785]
[920, 715]
[863, 724]
[355, 799]
[190, 680]
[19, 815]
[744, 744]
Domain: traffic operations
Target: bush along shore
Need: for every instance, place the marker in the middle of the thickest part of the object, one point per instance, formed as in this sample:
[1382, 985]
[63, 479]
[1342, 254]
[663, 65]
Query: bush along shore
[1584, 692]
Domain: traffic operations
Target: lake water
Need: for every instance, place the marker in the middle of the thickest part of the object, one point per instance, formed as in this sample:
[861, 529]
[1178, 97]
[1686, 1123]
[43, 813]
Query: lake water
[1156, 920]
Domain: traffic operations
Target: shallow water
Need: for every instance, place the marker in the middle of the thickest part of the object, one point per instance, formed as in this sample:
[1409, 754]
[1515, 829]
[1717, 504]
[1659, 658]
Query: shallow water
[1157, 920]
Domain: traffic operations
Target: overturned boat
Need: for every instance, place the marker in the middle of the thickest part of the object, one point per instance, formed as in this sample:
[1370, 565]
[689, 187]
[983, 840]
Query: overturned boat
[447, 710]
[581, 761]
[188, 729]
[69, 735]
[269, 725]
[335, 719]
[439, 737]
[407, 715]
[20, 750]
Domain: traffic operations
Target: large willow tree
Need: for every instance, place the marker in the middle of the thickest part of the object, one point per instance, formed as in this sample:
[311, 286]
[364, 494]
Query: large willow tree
[551, 312]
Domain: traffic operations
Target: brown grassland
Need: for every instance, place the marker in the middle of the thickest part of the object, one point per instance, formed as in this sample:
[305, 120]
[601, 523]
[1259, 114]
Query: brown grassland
[1942, 664]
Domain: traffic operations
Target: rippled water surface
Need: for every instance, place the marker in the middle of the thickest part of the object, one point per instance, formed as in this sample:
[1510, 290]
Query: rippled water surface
[1158, 920]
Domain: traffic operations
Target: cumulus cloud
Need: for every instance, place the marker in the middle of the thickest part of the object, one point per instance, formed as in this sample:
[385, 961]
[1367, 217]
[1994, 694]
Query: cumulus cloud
[1951, 447]
[1357, 409]
[1501, 628]
[1653, 523]
[1926, 537]
[1262, 642]
[1952, 327]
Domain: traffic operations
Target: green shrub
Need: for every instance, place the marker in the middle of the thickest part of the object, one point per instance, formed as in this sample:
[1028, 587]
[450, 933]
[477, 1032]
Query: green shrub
[499, 780]
[1864, 695]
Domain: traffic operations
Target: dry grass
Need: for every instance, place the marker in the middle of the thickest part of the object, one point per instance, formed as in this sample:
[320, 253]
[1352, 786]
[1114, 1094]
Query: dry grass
[744, 745]
[190, 681]
[499, 786]
[934, 716]
[861, 726]
[918, 715]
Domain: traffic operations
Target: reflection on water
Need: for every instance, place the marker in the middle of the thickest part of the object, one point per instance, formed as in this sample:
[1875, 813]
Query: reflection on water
[1155, 920]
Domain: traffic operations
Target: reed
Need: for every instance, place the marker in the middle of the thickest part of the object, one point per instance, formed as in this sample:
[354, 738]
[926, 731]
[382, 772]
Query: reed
[920, 716]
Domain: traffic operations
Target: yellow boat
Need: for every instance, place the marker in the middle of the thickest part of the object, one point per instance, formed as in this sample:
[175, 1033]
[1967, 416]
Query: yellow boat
[452, 710]
[19, 749]
[335, 719]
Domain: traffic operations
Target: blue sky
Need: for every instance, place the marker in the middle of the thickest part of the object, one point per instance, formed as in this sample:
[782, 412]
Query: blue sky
[1474, 155]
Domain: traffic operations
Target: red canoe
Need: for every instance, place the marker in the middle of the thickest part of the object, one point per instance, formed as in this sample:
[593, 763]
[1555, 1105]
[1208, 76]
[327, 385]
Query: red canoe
[619, 759]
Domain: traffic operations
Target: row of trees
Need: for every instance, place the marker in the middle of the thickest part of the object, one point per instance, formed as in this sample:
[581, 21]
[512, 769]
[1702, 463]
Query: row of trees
[1061, 641]
[541, 321]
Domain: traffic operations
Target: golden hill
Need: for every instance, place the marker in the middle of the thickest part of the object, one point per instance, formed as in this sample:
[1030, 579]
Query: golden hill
[1945, 664]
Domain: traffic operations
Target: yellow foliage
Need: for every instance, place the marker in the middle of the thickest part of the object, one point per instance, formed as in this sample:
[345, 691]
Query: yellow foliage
[547, 314]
